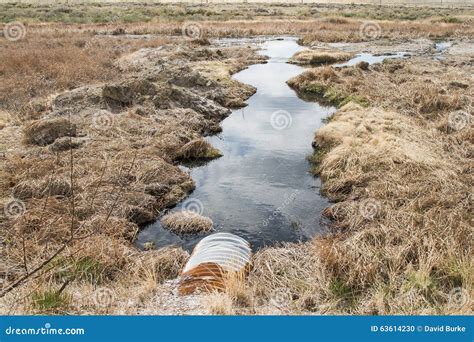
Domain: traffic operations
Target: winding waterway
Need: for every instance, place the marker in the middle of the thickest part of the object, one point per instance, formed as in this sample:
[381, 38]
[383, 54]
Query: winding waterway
[261, 189]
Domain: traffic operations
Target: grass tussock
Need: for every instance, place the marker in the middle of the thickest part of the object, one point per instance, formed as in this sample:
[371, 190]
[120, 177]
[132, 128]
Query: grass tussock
[198, 149]
[420, 234]
[218, 303]
[160, 265]
[232, 297]
[407, 86]
[319, 57]
[50, 302]
[45, 132]
[186, 222]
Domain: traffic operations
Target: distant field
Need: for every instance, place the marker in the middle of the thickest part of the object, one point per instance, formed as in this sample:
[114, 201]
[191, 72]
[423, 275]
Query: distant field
[76, 12]
[368, 2]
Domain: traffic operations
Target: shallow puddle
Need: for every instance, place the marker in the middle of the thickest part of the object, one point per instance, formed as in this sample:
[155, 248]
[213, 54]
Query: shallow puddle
[370, 58]
[261, 189]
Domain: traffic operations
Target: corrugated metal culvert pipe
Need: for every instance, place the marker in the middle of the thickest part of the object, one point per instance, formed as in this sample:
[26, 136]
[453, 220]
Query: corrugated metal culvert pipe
[212, 259]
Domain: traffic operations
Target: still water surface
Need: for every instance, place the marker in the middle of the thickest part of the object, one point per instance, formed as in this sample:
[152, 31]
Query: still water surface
[261, 188]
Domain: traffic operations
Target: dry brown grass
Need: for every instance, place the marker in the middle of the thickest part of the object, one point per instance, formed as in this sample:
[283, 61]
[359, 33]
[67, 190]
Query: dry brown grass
[412, 204]
[407, 86]
[86, 196]
[198, 149]
[45, 132]
[186, 222]
[218, 303]
[318, 29]
[400, 175]
[122, 175]
[56, 59]
[319, 57]
[234, 297]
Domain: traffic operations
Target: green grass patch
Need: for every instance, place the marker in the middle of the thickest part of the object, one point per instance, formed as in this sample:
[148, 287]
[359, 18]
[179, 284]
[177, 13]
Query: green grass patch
[339, 289]
[355, 98]
[50, 300]
[451, 20]
[422, 281]
[332, 96]
[316, 158]
[84, 269]
[343, 293]
[315, 88]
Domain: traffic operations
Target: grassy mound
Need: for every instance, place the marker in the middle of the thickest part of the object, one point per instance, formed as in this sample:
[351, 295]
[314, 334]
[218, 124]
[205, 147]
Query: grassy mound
[319, 57]
[187, 222]
[198, 149]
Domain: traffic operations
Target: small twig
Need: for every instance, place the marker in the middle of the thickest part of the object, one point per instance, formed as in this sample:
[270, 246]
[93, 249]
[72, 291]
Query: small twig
[71, 177]
[63, 286]
[25, 265]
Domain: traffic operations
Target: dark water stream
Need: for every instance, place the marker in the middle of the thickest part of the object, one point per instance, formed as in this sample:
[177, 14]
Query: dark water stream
[261, 189]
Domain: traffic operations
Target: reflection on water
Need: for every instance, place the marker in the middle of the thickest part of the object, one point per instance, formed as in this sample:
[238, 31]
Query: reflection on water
[261, 188]
[371, 59]
[441, 48]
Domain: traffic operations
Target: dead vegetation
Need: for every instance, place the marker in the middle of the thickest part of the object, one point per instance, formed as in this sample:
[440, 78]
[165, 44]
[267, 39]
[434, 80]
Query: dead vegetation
[406, 86]
[218, 303]
[319, 57]
[198, 149]
[94, 164]
[59, 59]
[91, 155]
[186, 222]
[400, 174]
[45, 132]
